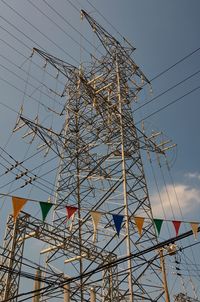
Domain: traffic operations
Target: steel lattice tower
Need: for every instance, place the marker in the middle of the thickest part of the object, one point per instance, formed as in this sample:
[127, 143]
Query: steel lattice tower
[101, 169]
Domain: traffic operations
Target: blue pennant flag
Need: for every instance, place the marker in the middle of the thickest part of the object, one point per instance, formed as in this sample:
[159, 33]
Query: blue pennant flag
[118, 222]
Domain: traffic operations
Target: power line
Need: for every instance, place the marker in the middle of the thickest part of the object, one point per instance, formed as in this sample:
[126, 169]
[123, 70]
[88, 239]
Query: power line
[138, 254]
[73, 6]
[68, 23]
[58, 26]
[31, 172]
[33, 181]
[26, 72]
[176, 63]
[161, 73]
[26, 58]
[38, 30]
[164, 92]
[164, 71]
[36, 88]
[20, 90]
[113, 263]
[92, 5]
[169, 104]
[33, 265]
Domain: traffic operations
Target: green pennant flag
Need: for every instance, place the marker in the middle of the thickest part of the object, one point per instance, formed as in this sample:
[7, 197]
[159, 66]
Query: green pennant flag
[45, 207]
[158, 224]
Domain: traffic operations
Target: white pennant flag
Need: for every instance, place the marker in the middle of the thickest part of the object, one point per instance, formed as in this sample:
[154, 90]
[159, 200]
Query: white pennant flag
[96, 216]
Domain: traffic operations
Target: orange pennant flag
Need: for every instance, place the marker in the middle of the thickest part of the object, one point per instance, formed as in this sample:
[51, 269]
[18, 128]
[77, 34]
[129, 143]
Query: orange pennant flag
[96, 216]
[18, 204]
[194, 227]
[139, 222]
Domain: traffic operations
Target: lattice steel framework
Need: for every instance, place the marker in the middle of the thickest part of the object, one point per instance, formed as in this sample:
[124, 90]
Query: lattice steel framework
[11, 259]
[101, 170]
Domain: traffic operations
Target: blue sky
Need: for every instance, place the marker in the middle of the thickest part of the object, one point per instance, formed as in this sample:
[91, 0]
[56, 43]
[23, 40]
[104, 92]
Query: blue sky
[163, 32]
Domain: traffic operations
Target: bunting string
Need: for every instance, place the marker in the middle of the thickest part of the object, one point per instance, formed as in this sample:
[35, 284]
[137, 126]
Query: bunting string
[18, 203]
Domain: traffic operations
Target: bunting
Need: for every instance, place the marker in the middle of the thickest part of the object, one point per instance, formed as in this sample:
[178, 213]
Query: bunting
[96, 216]
[118, 222]
[70, 211]
[139, 221]
[176, 224]
[45, 208]
[158, 225]
[194, 227]
[17, 204]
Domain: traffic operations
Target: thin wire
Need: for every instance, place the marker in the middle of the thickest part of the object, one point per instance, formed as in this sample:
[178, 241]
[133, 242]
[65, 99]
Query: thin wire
[33, 264]
[68, 23]
[20, 90]
[169, 104]
[165, 70]
[92, 5]
[181, 212]
[167, 192]
[176, 63]
[161, 73]
[73, 6]
[164, 92]
[38, 30]
[29, 172]
[32, 183]
[111, 264]
[26, 58]
[102, 212]
[158, 190]
[58, 26]
[8, 107]
[35, 87]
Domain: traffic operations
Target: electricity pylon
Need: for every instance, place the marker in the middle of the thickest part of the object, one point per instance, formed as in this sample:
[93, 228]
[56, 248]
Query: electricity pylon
[101, 170]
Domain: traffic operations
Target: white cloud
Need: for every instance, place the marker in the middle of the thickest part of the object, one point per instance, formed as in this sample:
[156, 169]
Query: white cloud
[188, 199]
[193, 175]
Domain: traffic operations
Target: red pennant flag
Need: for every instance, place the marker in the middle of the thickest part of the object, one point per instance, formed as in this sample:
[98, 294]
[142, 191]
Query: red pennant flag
[70, 211]
[176, 224]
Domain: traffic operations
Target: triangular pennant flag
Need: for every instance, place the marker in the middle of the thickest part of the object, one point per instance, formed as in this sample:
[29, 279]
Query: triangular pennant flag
[96, 216]
[194, 227]
[70, 211]
[45, 208]
[158, 224]
[176, 224]
[118, 222]
[139, 222]
[17, 204]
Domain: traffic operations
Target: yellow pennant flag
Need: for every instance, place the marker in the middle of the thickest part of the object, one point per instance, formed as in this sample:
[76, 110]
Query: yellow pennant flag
[194, 227]
[96, 216]
[139, 222]
[18, 204]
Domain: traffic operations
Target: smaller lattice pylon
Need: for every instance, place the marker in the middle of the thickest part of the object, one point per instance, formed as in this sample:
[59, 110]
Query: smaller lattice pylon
[11, 260]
